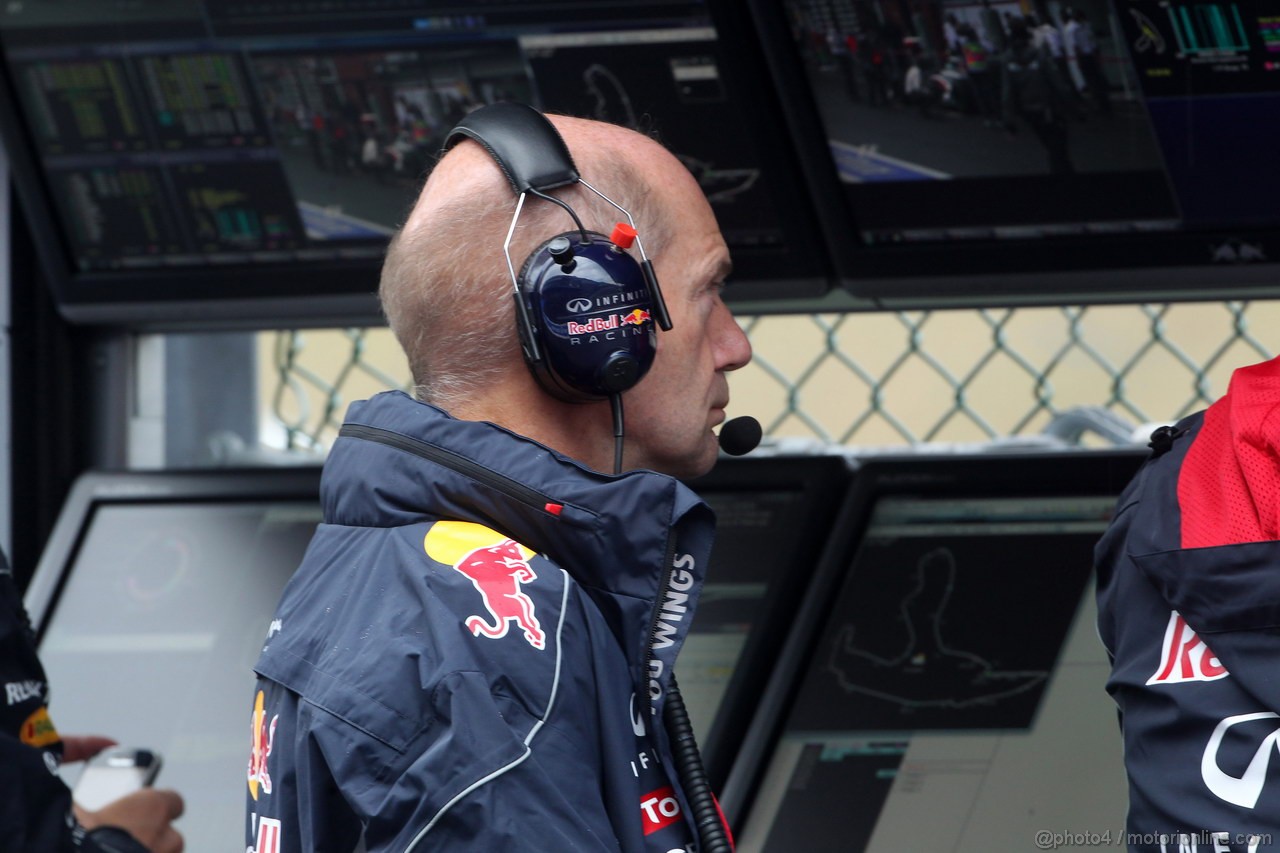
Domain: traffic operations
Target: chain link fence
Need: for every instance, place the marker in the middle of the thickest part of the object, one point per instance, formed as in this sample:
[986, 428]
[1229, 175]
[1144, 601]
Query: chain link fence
[882, 380]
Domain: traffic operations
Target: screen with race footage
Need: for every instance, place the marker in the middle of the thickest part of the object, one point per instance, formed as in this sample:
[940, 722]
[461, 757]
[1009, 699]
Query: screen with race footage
[1038, 150]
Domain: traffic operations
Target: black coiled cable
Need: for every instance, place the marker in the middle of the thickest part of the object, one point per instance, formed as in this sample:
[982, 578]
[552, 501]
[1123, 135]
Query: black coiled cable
[712, 837]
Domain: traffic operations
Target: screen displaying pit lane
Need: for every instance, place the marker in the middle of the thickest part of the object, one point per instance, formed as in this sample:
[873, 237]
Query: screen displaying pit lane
[154, 638]
[954, 699]
[185, 133]
[955, 122]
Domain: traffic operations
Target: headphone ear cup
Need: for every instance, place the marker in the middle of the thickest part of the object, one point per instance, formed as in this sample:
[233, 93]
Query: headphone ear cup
[590, 309]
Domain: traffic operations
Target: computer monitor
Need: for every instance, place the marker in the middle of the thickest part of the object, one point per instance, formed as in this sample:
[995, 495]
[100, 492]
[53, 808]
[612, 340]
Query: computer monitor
[1123, 155]
[943, 687]
[194, 163]
[151, 602]
[773, 518]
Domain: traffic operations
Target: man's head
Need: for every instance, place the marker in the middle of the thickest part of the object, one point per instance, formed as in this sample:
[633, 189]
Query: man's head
[446, 290]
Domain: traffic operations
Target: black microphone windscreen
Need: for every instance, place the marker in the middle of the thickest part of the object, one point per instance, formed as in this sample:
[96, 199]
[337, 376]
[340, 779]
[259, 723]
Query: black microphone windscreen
[740, 435]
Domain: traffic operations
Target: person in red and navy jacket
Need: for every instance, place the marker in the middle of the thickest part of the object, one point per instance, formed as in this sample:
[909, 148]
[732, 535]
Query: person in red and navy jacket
[1189, 611]
[476, 652]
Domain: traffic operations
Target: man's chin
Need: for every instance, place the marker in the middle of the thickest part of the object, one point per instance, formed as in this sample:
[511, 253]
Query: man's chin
[685, 464]
[702, 462]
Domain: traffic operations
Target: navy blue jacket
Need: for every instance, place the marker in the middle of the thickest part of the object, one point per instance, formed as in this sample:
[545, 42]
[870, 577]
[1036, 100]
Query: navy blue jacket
[474, 652]
[1189, 609]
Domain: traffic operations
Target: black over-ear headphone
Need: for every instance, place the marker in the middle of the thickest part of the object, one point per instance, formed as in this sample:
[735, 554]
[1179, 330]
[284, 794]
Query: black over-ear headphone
[585, 308]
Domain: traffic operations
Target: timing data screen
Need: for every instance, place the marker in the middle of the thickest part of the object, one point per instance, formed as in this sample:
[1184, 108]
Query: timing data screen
[180, 134]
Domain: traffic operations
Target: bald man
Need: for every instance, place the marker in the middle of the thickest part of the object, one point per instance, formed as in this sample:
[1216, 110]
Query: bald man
[476, 652]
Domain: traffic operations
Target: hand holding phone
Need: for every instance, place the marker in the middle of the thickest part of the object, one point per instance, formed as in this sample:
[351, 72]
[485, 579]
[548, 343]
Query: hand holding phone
[114, 773]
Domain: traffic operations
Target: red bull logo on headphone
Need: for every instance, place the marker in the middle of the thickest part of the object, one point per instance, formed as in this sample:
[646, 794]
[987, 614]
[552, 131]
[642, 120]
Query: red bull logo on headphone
[636, 317]
[497, 566]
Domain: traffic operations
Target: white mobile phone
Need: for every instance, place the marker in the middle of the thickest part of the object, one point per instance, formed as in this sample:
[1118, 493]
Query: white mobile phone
[112, 774]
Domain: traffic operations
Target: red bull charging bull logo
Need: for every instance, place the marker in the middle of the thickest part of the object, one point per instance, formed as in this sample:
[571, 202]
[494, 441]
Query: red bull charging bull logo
[262, 737]
[496, 566]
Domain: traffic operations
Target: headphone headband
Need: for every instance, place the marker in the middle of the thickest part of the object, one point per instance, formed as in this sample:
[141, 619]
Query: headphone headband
[527, 147]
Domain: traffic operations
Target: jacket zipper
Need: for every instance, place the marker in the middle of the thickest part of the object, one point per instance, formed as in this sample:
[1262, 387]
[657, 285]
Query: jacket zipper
[457, 462]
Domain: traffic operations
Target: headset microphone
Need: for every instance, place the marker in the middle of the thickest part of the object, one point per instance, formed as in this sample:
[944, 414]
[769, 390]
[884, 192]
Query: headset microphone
[740, 435]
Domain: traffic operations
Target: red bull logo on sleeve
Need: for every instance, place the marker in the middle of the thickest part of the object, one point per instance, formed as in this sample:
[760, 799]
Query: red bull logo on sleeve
[38, 729]
[263, 736]
[497, 566]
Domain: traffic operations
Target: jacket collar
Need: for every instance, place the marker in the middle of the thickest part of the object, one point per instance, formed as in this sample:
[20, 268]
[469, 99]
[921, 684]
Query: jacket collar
[400, 461]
